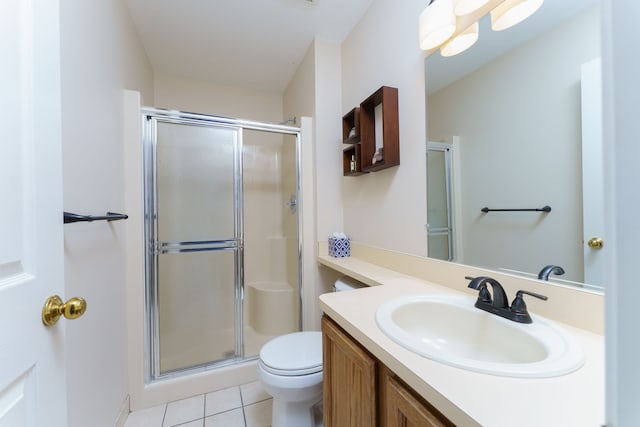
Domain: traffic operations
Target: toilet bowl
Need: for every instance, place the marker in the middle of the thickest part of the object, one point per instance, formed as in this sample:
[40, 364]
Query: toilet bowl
[290, 369]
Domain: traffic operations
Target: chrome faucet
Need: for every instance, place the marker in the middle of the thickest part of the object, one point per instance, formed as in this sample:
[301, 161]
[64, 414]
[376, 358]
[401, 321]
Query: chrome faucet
[548, 269]
[497, 302]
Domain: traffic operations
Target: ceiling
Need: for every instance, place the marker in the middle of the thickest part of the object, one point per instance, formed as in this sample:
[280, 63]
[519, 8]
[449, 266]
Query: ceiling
[255, 44]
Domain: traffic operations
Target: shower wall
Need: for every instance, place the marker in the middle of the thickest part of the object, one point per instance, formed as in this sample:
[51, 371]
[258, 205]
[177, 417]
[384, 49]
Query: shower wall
[270, 233]
[290, 223]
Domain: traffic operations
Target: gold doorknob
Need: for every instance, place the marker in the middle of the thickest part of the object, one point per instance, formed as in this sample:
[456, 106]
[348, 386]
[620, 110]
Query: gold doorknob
[595, 243]
[54, 307]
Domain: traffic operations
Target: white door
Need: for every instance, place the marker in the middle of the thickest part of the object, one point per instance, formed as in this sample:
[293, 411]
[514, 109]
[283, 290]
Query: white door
[32, 376]
[594, 243]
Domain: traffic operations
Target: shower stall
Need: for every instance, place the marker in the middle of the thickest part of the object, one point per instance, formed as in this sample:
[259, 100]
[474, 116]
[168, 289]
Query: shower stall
[222, 237]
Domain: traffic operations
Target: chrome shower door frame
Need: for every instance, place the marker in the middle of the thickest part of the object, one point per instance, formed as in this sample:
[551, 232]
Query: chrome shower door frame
[153, 247]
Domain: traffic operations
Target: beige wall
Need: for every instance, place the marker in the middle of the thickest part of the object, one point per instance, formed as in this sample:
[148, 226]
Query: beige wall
[101, 56]
[328, 134]
[388, 208]
[299, 97]
[314, 91]
[518, 119]
[328, 160]
[178, 93]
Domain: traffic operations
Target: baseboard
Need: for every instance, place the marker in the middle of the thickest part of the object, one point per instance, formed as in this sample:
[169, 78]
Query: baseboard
[124, 413]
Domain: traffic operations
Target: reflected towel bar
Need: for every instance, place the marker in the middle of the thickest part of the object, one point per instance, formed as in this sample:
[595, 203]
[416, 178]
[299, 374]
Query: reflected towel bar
[110, 216]
[542, 209]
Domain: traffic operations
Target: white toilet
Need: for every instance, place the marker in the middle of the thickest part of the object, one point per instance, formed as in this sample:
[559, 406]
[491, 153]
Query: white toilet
[290, 370]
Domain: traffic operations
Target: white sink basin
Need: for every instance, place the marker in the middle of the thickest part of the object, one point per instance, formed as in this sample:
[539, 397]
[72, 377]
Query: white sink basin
[450, 330]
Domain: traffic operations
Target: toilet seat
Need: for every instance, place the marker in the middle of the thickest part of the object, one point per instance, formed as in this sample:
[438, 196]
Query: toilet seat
[295, 354]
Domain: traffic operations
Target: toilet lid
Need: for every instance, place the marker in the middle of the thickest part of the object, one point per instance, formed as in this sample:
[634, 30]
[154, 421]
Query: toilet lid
[299, 353]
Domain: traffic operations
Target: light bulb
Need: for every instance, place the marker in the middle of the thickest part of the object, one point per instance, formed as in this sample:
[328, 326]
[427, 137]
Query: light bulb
[436, 24]
[461, 42]
[511, 12]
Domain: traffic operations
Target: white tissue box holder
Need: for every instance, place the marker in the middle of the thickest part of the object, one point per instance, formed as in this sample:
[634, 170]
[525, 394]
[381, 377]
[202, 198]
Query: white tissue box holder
[339, 247]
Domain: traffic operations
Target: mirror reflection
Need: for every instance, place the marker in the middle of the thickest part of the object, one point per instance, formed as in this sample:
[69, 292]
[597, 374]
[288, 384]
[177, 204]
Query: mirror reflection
[513, 129]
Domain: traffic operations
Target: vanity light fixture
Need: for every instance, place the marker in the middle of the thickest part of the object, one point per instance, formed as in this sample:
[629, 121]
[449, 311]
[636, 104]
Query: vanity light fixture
[442, 19]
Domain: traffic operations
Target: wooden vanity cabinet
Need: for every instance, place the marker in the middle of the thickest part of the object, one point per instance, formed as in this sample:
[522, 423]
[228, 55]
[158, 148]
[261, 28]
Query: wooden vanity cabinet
[403, 408]
[349, 380]
[360, 391]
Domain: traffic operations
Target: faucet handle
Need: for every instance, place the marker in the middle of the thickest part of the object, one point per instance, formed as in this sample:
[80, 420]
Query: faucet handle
[484, 295]
[519, 307]
[479, 283]
[533, 294]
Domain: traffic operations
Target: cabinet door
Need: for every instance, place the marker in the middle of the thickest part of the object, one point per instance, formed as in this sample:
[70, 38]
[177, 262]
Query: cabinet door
[404, 410]
[349, 383]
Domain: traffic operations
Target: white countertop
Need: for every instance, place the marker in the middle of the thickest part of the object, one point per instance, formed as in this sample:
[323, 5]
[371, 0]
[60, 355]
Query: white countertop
[467, 398]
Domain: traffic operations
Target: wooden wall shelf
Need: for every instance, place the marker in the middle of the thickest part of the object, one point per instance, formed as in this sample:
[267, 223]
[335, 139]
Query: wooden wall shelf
[359, 134]
[387, 98]
[349, 153]
[352, 149]
[351, 127]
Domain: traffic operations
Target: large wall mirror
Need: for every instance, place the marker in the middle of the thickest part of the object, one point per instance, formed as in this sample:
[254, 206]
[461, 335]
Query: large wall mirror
[511, 110]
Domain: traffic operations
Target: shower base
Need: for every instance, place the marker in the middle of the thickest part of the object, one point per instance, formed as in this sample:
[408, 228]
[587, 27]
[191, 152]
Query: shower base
[204, 352]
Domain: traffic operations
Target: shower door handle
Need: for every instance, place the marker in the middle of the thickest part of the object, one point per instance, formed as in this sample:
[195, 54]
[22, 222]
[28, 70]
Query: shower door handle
[292, 203]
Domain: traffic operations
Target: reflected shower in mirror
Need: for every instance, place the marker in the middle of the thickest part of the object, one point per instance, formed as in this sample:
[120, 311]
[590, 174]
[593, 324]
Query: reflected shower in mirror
[516, 121]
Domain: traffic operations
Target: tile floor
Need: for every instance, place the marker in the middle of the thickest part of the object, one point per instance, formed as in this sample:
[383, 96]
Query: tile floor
[245, 406]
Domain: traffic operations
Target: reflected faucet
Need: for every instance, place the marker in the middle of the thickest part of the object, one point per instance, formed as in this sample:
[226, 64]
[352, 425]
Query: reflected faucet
[548, 269]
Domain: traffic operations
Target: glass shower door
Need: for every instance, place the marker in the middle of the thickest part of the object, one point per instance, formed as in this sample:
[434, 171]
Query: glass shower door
[197, 245]
[439, 216]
